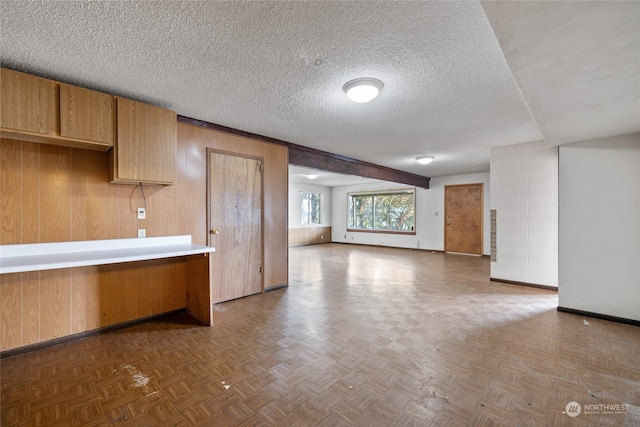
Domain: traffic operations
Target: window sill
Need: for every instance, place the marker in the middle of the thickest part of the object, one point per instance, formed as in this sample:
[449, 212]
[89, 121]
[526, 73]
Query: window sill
[360, 230]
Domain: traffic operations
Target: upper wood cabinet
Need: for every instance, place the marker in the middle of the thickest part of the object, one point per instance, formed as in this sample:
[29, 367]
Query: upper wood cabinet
[86, 114]
[143, 137]
[146, 144]
[41, 110]
[29, 104]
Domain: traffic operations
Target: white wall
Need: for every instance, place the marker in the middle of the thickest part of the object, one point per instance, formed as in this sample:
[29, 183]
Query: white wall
[429, 214]
[600, 226]
[294, 204]
[524, 193]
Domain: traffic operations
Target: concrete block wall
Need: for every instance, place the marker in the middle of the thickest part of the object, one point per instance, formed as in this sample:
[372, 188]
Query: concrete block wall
[524, 195]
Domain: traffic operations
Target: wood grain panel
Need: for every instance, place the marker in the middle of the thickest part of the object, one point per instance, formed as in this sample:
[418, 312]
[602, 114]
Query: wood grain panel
[169, 297]
[93, 297]
[30, 202]
[10, 192]
[194, 204]
[31, 306]
[181, 188]
[78, 299]
[28, 103]
[198, 301]
[10, 311]
[109, 291]
[78, 194]
[276, 190]
[114, 213]
[55, 197]
[145, 292]
[97, 206]
[129, 198]
[167, 210]
[181, 283]
[129, 277]
[153, 221]
[55, 307]
[86, 114]
[309, 236]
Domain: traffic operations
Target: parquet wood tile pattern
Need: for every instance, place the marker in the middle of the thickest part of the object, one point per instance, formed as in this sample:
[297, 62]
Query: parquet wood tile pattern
[362, 337]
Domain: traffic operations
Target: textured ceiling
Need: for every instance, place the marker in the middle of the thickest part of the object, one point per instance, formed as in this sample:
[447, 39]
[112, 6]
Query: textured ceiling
[277, 69]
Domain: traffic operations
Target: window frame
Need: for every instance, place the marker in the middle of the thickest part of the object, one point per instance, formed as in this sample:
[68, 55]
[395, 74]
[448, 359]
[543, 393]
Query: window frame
[352, 229]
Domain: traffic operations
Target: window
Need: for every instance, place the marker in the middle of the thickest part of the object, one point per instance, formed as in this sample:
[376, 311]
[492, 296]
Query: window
[310, 212]
[388, 211]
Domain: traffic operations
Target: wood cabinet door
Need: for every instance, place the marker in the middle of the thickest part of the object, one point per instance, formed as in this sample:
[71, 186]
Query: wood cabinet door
[235, 221]
[463, 218]
[86, 115]
[146, 143]
[28, 103]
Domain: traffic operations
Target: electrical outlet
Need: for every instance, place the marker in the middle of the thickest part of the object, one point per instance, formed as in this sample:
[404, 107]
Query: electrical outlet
[142, 213]
[142, 232]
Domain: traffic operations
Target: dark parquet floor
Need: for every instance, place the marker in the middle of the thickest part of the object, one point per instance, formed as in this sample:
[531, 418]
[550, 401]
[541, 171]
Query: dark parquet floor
[361, 337]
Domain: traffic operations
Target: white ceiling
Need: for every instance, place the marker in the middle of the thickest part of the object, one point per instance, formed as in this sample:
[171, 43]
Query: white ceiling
[277, 69]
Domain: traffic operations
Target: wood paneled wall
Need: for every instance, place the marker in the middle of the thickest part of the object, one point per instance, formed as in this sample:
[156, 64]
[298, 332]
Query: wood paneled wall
[309, 236]
[192, 166]
[51, 194]
[40, 306]
[55, 194]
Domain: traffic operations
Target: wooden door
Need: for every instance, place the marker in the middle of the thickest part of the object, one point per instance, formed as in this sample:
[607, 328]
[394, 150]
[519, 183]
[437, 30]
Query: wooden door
[235, 226]
[463, 218]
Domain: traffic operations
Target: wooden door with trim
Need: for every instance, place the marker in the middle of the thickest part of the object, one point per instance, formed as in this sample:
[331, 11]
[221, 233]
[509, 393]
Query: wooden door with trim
[463, 218]
[235, 225]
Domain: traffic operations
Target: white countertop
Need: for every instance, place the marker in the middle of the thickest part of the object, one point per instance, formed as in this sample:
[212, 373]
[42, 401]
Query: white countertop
[49, 256]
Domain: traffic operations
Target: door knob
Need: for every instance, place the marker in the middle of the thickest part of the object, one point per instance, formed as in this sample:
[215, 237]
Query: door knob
[214, 231]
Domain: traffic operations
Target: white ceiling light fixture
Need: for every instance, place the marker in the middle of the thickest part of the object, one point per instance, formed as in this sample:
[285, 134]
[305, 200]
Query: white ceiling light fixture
[312, 175]
[424, 160]
[362, 90]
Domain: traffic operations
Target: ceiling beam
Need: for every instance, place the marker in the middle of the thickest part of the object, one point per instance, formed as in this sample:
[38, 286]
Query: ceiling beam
[310, 157]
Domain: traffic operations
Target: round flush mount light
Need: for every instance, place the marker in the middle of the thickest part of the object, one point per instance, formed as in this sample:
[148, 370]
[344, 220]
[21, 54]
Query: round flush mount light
[362, 90]
[424, 160]
[312, 175]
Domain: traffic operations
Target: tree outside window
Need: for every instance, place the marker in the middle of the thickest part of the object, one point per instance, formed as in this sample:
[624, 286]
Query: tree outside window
[310, 208]
[392, 211]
